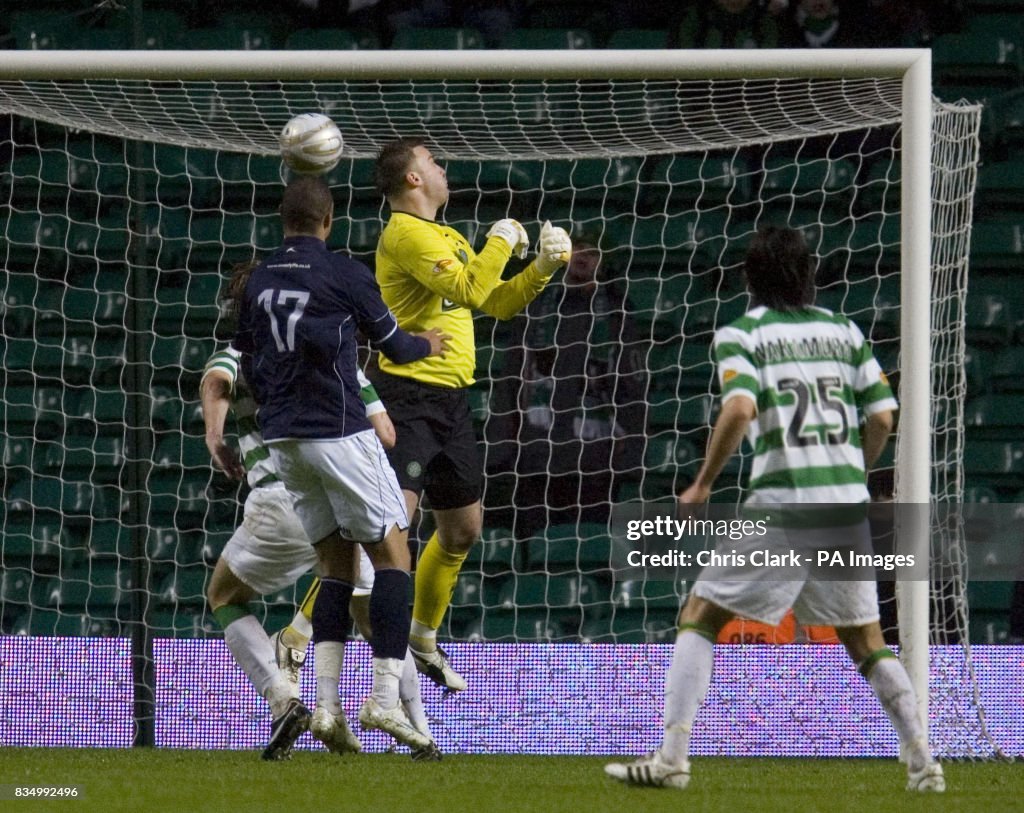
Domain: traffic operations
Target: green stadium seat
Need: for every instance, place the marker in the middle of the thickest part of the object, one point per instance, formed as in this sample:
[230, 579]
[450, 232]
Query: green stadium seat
[639, 594]
[1001, 187]
[477, 590]
[437, 39]
[809, 184]
[183, 622]
[39, 622]
[530, 590]
[180, 360]
[100, 39]
[624, 627]
[96, 589]
[669, 454]
[989, 321]
[74, 500]
[43, 30]
[183, 451]
[331, 39]
[186, 586]
[351, 173]
[993, 417]
[996, 246]
[16, 455]
[194, 309]
[548, 39]
[994, 458]
[684, 411]
[161, 28]
[594, 180]
[1004, 371]
[167, 548]
[100, 459]
[17, 587]
[497, 551]
[249, 180]
[522, 625]
[244, 38]
[31, 235]
[683, 181]
[40, 541]
[35, 411]
[178, 500]
[584, 547]
[357, 236]
[104, 309]
[601, 631]
[18, 293]
[987, 52]
[638, 38]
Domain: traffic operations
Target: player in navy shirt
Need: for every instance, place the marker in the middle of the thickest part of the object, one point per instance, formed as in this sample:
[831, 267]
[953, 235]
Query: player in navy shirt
[297, 323]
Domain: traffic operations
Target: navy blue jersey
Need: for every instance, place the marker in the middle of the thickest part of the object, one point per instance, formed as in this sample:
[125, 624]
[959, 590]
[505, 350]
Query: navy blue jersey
[297, 325]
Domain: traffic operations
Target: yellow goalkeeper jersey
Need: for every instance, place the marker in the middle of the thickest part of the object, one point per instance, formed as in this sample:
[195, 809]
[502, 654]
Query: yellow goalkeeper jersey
[429, 276]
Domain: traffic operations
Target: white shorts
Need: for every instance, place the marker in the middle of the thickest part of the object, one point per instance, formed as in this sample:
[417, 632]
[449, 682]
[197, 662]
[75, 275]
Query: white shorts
[344, 484]
[269, 551]
[766, 593]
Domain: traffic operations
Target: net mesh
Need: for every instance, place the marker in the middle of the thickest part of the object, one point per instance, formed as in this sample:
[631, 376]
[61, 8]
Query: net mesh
[127, 202]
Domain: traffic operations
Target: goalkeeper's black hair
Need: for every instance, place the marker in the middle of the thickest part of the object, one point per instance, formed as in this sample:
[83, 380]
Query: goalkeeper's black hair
[393, 163]
[780, 269]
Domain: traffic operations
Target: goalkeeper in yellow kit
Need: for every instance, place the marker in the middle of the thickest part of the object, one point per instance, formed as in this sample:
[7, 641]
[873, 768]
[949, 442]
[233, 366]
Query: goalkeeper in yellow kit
[430, 276]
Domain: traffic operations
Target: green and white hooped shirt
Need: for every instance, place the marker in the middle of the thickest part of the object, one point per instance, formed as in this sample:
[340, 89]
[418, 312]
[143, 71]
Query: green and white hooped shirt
[255, 454]
[813, 377]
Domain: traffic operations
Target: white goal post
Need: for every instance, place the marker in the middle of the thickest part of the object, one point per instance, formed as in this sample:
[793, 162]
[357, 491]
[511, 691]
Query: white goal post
[145, 96]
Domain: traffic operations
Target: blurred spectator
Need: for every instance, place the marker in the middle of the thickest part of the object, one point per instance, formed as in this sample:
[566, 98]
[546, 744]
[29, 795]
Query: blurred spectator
[494, 19]
[726, 24]
[884, 23]
[819, 24]
[582, 392]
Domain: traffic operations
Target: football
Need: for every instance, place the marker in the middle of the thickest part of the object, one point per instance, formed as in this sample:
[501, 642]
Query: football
[311, 144]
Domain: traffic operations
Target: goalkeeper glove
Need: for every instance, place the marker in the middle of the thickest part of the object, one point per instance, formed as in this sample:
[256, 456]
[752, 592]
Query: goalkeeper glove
[512, 232]
[554, 250]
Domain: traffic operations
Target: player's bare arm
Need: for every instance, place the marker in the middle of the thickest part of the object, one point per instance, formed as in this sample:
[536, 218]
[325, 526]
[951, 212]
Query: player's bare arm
[215, 395]
[732, 423]
[875, 435]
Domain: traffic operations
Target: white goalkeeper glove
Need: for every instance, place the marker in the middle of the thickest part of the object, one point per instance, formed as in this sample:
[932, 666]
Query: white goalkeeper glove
[554, 249]
[512, 232]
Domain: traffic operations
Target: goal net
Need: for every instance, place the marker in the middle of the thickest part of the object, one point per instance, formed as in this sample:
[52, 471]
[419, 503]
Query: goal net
[128, 196]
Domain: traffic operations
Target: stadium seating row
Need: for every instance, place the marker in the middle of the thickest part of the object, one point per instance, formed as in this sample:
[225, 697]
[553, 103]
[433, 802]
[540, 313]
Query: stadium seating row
[165, 29]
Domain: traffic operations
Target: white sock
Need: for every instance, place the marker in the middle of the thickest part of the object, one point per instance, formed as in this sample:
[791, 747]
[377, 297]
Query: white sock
[423, 636]
[251, 648]
[409, 694]
[386, 673]
[892, 686]
[685, 689]
[328, 656]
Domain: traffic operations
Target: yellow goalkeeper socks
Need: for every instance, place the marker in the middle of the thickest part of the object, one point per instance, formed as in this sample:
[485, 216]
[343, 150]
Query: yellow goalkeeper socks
[297, 634]
[436, 574]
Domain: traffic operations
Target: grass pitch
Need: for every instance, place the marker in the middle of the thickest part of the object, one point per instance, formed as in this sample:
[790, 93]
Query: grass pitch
[154, 781]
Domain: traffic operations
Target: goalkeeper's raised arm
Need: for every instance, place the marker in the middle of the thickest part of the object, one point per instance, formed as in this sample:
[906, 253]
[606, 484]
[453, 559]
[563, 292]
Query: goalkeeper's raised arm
[431, 277]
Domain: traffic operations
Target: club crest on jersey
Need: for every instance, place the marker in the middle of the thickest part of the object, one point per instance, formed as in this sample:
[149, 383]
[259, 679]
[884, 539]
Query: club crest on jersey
[442, 265]
[414, 469]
